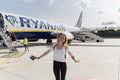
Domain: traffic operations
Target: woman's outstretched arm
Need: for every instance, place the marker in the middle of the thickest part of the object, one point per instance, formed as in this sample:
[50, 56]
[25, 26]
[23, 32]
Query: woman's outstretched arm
[44, 54]
[72, 56]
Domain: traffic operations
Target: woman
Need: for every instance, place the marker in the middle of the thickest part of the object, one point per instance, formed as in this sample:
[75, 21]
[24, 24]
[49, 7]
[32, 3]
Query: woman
[59, 56]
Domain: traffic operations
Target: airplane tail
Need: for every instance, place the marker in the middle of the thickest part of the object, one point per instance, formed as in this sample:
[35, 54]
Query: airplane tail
[79, 22]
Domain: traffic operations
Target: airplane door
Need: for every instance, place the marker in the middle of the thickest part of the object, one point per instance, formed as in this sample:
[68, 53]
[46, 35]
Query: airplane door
[1, 21]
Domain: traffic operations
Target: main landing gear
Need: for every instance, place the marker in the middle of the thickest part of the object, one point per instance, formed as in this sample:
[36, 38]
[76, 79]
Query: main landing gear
[49, 41]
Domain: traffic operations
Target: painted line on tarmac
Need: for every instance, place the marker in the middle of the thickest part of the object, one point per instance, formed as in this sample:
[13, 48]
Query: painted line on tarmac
[14, 55]
[14, 61]
[3, 60]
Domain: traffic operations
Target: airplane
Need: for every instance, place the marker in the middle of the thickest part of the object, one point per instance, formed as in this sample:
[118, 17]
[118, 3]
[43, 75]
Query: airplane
[35, 29]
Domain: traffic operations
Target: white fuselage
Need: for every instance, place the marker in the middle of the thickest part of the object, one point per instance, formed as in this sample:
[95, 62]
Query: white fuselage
[34, 28]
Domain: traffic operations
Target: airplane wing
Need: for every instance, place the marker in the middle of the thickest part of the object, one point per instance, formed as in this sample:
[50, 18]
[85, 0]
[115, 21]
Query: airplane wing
[95, 29]
[99, 29]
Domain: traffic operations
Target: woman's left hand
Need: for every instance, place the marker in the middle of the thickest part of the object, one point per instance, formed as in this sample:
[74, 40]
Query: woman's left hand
[33, 57]
[77, 61]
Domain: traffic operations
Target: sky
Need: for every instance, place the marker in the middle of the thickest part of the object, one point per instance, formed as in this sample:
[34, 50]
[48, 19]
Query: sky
[96, 13]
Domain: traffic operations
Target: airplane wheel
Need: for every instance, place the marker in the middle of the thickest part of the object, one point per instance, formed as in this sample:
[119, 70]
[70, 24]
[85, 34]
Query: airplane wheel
[49, 41]
[83, 40]
[69, 41]
[97, 41]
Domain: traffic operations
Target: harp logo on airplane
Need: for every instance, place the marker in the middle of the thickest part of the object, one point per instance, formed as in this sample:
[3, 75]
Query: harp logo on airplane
[11, 19]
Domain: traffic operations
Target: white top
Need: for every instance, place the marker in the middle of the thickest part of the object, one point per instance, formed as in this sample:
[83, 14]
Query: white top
[59, 55]
[7, 29]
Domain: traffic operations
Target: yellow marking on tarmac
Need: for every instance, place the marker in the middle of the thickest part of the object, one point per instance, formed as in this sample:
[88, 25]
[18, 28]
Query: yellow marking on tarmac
[6, 57]
[14, 54]
[19, 54]
[2, 60]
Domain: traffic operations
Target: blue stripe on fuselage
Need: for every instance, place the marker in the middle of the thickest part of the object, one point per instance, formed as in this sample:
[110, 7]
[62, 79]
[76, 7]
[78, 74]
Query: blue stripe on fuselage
[33, 35]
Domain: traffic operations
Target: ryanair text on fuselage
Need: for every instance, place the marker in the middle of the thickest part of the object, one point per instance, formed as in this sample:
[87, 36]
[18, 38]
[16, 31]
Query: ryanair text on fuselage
[34, 23]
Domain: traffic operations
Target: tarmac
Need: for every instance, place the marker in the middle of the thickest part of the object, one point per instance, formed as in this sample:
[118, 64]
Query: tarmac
[98, 61]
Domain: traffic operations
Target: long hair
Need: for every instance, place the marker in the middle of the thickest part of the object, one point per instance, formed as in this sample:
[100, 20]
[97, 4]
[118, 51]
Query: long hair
[65, 42]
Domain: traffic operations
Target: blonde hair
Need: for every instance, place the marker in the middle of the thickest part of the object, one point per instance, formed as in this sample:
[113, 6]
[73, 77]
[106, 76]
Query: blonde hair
[65, 42]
